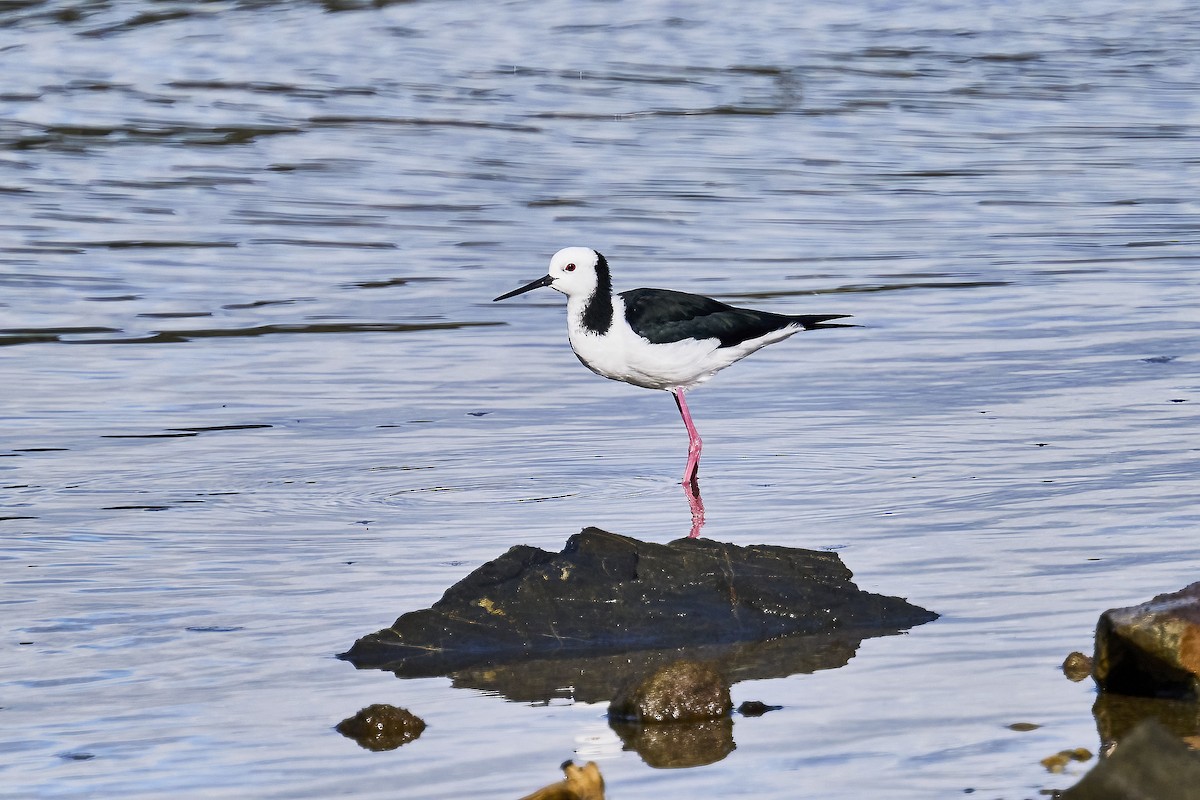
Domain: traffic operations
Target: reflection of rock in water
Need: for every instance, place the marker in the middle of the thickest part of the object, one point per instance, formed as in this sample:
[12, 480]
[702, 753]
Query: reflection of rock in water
[678, 744]
[1117, 715]
[1148, 763]
[382, 727]
[792, 610]
[593, 679]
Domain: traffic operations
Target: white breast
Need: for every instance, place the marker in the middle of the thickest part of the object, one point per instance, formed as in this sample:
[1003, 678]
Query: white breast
[622, 355]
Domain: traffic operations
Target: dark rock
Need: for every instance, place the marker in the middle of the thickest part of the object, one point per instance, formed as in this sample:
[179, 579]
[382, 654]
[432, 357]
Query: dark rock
[382, 727]
[1077, 666]
[606, 593]
[683, 691]
[580, 783]
[1149, 764]
[755, 708]
[1152, 649]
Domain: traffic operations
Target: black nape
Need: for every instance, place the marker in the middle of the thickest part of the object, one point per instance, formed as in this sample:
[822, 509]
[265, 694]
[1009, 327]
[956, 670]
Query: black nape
[598, 313]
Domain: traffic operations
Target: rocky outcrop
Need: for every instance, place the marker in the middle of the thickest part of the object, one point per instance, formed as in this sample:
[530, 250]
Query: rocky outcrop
[606, 593]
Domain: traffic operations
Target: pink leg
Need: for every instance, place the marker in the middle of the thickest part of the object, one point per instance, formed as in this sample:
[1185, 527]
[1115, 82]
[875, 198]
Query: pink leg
[694, 443]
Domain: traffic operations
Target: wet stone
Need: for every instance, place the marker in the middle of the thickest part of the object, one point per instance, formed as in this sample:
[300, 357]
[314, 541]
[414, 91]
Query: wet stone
[1059, 761]
[685, 691]
[1152, 649]
[606, 593]
[579, 783]
[755, 708]
[382, 727]
[1077, 666]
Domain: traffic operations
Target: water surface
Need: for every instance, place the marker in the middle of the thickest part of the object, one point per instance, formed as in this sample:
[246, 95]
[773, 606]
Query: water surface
[257, 402]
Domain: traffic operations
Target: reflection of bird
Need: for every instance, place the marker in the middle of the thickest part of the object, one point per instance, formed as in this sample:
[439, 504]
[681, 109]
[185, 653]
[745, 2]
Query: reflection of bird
[658, 338]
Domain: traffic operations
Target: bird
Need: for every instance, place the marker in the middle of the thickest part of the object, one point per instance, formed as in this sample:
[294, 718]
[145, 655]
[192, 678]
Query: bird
[659, 338]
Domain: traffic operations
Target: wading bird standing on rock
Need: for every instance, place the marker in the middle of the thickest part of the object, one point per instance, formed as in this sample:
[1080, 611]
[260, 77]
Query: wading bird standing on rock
[658, 338]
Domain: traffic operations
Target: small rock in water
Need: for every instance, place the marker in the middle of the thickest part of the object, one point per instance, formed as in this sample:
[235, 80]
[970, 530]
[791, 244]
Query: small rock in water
[683, 691]
[1058, 762]
[382, 727]
[1077, 666]
[755, 708]
[580, 783]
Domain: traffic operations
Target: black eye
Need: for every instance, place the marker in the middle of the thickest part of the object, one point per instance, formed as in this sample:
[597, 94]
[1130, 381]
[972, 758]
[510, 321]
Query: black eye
[569, 268]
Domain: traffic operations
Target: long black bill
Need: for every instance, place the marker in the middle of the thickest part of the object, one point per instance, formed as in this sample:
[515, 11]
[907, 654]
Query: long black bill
[529, 287]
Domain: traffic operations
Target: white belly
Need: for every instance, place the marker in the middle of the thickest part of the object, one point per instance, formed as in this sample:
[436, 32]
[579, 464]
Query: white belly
[622, 355]
[632, 359]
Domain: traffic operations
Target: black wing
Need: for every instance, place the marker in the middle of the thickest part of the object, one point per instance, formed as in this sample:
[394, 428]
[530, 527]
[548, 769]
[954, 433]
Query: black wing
[662, 316]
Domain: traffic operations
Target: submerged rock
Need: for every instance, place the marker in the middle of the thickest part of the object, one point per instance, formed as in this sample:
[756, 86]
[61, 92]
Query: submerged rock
[606, 593]
[382, 727]
[682, 691]
[1152, 649]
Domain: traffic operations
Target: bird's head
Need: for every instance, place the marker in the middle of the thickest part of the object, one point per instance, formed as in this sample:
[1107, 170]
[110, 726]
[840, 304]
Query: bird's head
[574, 271]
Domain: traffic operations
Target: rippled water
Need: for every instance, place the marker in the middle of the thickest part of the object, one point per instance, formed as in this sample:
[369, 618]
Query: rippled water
[257, 402]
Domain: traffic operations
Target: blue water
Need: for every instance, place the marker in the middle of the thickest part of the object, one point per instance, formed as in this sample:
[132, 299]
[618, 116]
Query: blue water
[256, 401]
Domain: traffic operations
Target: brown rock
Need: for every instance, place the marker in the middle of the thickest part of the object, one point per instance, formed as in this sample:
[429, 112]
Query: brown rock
[382, 727]
[683, 691]
[1077, 666]
[580, 783]
[1058, 762]
[1152, 649]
